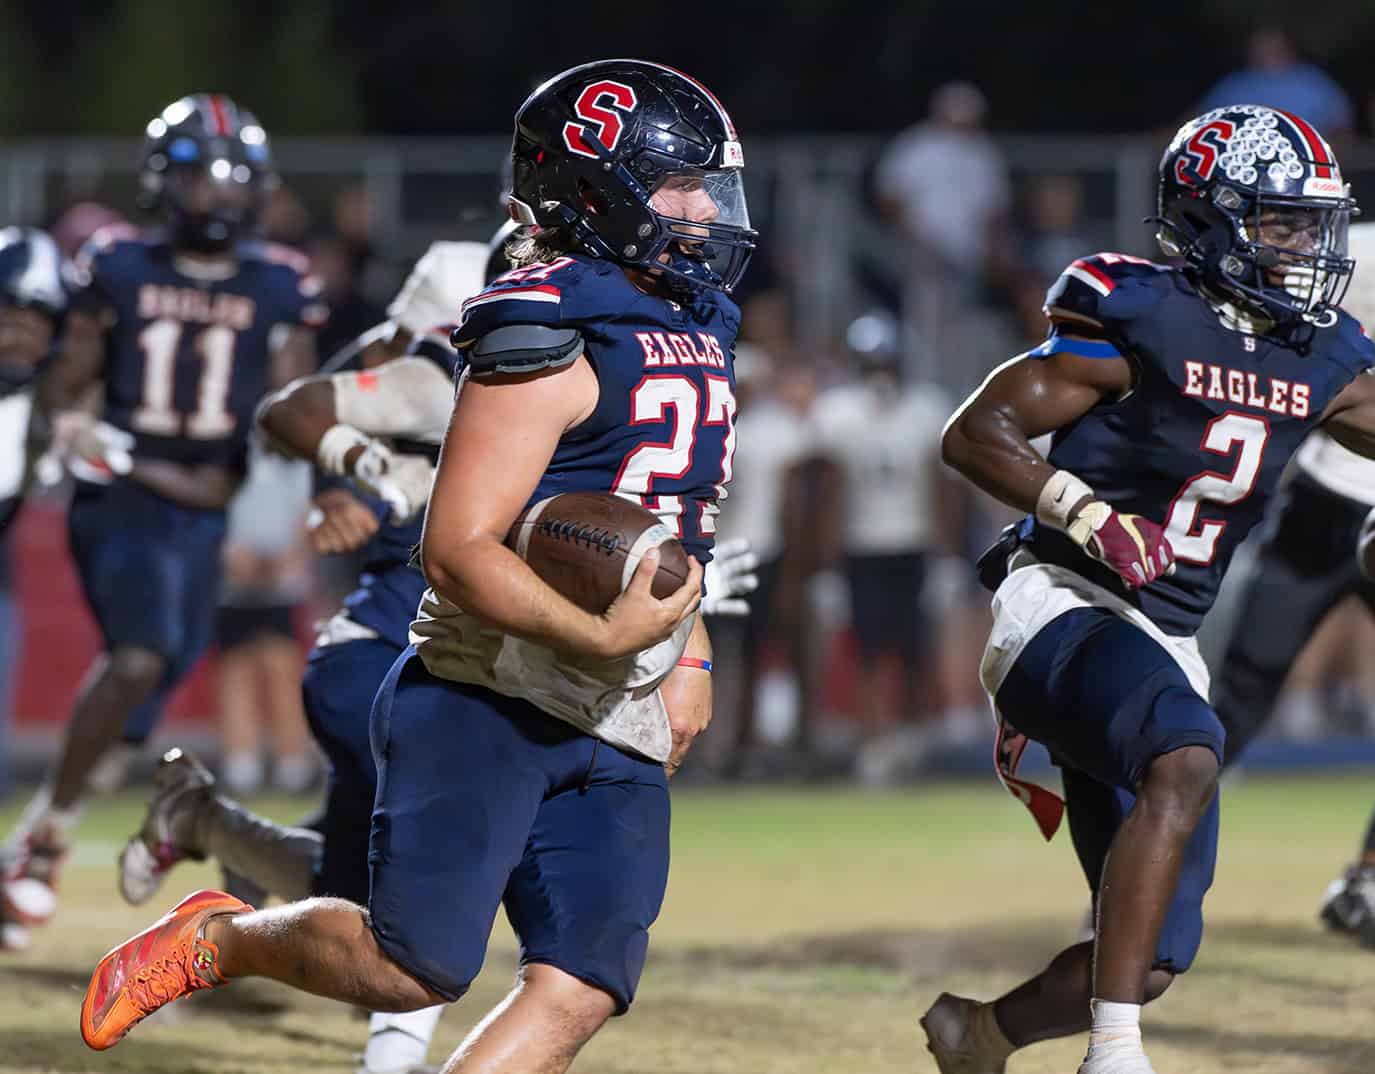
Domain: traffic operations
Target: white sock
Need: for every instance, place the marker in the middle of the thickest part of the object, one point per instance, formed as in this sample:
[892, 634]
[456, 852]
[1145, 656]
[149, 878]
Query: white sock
[397, 1042]
[242, 773]
[1115, 1040]
[39, 813]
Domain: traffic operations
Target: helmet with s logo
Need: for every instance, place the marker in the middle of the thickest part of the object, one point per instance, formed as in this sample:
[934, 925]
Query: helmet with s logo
[594, 146]
[1252, 198]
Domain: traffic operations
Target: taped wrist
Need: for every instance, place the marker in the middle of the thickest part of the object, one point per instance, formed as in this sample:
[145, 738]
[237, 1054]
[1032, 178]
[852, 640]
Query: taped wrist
[337, 442]
[1088, 522]
[1061, 493]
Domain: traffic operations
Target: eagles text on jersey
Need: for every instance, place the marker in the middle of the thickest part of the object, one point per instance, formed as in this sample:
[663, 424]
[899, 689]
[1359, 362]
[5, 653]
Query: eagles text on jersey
[663, 431]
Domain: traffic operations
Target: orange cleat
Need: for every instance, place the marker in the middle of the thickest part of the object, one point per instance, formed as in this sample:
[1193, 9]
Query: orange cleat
[169, 959]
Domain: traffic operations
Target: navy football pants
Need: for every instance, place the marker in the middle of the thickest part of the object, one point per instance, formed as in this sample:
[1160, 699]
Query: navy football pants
[486, 801]
[338, 688]
[150, 570]
[1106, 700]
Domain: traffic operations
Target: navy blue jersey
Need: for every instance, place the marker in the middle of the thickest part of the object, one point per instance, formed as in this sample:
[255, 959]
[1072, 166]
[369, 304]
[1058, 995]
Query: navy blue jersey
[1199, 443]
[663, 432]
[186, 357]
[390, 588]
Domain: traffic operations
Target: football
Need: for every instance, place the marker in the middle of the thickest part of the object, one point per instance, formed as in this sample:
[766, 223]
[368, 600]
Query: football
[586, 545]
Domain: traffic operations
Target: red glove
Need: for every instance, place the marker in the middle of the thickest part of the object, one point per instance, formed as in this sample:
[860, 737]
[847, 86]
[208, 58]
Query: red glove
[1134, 547]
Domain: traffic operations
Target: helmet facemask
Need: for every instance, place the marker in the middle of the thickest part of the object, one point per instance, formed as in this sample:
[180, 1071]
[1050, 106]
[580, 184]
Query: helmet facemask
[640, 167]
[1290, 255]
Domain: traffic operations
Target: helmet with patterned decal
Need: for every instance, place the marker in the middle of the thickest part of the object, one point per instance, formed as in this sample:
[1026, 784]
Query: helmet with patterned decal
[207, 166]
[614, 152]
[1252, 198]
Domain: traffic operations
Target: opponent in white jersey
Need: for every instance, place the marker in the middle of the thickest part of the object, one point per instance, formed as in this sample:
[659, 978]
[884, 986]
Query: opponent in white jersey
[883, 437]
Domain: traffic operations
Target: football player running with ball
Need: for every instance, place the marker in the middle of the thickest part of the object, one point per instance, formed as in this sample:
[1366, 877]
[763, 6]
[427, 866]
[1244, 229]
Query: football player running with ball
[602, 364]
[1176, 397]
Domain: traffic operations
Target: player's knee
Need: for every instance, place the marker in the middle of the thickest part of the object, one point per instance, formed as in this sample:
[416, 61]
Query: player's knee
[136, 670]
[1157, 982]
[576, 1008]
[1183, 782]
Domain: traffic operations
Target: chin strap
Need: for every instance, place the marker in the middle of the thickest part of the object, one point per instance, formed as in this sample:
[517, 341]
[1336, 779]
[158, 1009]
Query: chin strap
[1240, 319]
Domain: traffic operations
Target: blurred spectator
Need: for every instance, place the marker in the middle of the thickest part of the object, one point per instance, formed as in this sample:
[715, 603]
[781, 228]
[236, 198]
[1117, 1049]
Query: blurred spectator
[266, 577]
[1055, 232]
[776, 441]
[897, 509]
[79, 222]
[350, 312]
[1275, 76]
[353, 223]
[285, 218]
[944, 184]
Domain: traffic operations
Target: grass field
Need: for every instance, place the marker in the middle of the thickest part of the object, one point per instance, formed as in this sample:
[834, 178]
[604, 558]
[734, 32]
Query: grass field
[805, 932]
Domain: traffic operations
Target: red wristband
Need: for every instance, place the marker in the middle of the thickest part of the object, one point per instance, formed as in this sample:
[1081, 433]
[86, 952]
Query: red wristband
[694, 662]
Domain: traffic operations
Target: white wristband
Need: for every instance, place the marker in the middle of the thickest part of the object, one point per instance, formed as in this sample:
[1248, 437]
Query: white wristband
[337, 442]
[1058, 496]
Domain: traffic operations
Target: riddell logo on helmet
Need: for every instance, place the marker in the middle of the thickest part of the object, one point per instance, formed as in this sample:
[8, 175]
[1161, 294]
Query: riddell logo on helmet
[732, 156]
[1333, 188]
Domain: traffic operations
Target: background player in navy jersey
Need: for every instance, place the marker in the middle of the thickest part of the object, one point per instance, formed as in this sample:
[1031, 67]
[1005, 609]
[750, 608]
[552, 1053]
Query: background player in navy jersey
[1176, 397]
[1304, 568]
[538, 723]
[185, 329]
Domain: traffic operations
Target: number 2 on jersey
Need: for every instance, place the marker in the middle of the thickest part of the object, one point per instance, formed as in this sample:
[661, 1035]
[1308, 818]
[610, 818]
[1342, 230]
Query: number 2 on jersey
[653, 399]
[1194, 541]
[214, 346]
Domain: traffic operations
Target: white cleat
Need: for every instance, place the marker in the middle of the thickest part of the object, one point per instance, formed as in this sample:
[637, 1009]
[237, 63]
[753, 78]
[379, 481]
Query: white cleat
[948, 1038]
[183, 786]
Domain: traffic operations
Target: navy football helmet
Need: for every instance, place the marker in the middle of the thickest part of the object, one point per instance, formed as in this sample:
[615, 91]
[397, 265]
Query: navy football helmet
[207, 165]
[31, 277]
[596, 143]
[1252, 198]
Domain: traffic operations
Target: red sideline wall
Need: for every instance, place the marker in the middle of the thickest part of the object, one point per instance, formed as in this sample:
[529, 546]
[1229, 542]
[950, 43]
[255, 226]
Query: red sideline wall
[60, 639]
[59, 636]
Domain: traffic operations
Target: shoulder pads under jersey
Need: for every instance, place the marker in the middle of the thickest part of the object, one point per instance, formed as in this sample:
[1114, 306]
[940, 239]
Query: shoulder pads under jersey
[1095, 291]
[523, 348]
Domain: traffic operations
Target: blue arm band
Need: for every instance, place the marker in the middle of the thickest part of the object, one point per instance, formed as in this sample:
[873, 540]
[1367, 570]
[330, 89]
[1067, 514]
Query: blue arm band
[1085, 348]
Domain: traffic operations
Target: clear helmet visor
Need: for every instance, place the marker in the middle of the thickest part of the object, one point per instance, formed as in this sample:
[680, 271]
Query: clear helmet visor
[704, 224]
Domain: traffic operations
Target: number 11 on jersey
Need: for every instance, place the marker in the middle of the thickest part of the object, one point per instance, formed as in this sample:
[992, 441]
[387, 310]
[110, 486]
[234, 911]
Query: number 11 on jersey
[214, 346]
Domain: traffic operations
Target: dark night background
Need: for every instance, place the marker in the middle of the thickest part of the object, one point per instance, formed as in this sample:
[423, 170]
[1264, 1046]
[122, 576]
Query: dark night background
[316, 67]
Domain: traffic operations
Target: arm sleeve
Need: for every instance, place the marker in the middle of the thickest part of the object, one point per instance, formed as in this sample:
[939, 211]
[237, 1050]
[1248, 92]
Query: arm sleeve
[406, 396]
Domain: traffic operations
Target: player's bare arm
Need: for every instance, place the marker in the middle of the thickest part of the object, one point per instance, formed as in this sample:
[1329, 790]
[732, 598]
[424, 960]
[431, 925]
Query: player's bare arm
[687, 695]
[503, 433]
[78, 363]
[293, 355]
[206, 487]
[989, 441]
[336, 419]
[339, 522]
[989, 438]
[1350, 418]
